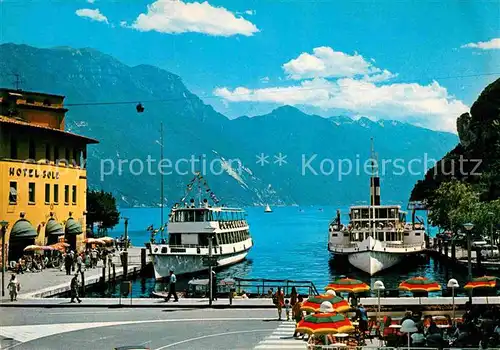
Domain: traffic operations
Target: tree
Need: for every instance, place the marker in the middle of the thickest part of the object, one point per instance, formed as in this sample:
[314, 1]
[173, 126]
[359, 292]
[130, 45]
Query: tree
[452, 205]
[101, 208]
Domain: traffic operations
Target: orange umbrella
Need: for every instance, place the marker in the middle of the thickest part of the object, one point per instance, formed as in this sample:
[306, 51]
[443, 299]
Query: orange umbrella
[313, 304]
[482, 282]
[419, 284]
[324, 324]
[348, 285]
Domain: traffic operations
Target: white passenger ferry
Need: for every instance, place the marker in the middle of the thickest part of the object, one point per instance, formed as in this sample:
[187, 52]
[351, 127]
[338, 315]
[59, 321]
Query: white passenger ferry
[377, 236]
[189, 229]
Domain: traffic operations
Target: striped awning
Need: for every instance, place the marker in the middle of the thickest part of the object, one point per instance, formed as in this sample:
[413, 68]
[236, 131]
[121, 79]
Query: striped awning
[23, 229]
[73, 227]
[53, 228]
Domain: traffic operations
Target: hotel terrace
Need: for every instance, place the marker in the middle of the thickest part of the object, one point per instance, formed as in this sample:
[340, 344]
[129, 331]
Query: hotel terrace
[43, 177]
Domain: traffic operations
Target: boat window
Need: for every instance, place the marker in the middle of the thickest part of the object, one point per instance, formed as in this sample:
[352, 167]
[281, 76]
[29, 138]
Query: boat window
[217, 239]
[190, 216]
[203, 239]
[198, 215]
[346, 234]
[174, 239]
[380, 236]
[407, 233]
[417, 233]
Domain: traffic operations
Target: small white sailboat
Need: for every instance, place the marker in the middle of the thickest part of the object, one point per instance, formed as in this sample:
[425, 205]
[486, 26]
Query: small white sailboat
[268, 209]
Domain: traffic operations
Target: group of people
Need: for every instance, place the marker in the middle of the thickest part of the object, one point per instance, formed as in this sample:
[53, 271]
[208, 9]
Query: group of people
[30, 263]
[85, 260]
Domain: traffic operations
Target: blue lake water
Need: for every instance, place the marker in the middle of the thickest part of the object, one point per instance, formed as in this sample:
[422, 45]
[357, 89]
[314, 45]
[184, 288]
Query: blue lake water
[290, 243]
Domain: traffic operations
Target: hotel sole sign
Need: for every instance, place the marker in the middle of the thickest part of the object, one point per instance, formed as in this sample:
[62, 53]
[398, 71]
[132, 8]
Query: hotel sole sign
[34, 173]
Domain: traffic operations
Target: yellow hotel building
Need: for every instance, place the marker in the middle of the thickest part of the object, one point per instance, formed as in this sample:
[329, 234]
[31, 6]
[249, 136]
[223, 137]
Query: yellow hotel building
[43, 177]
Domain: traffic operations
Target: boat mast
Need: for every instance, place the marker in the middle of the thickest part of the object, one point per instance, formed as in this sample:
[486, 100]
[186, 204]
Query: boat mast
[161, 180]
[199, 187]
[374, 188]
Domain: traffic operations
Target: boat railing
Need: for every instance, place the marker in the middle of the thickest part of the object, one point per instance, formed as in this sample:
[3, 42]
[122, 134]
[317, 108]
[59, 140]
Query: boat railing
[404, 246]
[343, 246]
[224, 225]
[261, 286]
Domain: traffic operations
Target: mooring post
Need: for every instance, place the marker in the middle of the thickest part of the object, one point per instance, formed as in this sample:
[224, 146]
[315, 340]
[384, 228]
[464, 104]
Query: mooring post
[104, 276]
[114, 273]
[83, 283]
[143, 259]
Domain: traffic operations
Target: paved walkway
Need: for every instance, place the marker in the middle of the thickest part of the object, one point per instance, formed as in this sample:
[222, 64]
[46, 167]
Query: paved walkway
[49, 282]
[282, 338]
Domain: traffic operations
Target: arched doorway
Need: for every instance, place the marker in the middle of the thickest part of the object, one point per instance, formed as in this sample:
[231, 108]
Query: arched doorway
[71, 230]
[53, 230]
[22, 235]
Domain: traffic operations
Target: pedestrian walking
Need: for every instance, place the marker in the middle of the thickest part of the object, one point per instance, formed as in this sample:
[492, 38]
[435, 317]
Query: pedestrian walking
[279, 301]
[68, 261]
[293, 296]
[287, 309]
[171, 287]
[297, 313]
[14, 286]
[74, 289]
[79, 262]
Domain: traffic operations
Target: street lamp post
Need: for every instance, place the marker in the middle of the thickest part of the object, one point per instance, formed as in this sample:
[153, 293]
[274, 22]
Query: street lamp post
[469, 226]
[3, 228]
[379, 287]
[453, 283]
[491, 215]
[210, 270]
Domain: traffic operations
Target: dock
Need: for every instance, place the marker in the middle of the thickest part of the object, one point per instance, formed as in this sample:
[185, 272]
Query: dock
[458, 256]
[52, 282]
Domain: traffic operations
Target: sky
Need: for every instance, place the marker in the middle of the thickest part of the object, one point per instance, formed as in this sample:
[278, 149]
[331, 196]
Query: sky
[422, 62]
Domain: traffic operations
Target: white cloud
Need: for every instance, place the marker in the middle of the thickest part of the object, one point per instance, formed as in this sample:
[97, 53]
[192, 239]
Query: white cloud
[429, 105]
[250, 12]
[94, 15]
[325, 62]
[90, 1]
[493, 44]
[264, 80]
[175, 16]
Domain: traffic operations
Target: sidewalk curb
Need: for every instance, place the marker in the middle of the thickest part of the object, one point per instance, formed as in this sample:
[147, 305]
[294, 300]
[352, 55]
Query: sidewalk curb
[128, 306]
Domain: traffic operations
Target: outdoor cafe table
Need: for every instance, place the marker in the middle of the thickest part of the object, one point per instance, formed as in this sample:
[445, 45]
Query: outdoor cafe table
[396, 326]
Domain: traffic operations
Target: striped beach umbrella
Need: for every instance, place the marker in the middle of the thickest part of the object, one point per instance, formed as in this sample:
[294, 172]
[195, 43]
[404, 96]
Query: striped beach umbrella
[482, 282]
[313, 304]
[348, 285]
[32, 248]
[328, 323]
[419, 284]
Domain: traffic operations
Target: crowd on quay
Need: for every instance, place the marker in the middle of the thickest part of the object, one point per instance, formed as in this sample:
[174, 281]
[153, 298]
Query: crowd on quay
[71, 262]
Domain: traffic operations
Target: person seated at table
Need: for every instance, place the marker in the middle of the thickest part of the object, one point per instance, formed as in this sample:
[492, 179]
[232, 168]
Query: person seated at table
[408, 316]
[433, 328]
[435, 340]
[418, 338]
[362, 317]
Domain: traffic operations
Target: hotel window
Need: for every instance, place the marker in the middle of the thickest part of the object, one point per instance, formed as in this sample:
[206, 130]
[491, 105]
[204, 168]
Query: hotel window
[31, 192]
[13, 148]
[67, 156]
[47, 193]
[32, 150]
[76, 157]
[73, 198]
[48, 154]
[56, 194]
[56, 154]
[13, 192]
[66, 194]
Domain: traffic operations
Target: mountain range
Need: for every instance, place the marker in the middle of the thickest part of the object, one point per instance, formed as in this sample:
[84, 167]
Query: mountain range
[300, 148]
